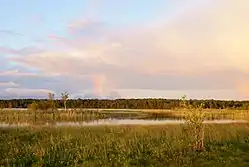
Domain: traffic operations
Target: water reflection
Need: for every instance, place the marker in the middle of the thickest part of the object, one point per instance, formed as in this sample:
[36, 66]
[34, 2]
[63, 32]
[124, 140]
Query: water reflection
[118, 122]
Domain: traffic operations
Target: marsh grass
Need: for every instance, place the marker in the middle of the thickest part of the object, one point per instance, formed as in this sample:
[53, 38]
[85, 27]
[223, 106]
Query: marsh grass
[210, 114]
[190, 144]
[41, 117]
[225, 145]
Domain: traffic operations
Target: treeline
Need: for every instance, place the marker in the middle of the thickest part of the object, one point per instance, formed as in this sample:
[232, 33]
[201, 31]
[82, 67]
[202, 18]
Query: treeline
[123, 103]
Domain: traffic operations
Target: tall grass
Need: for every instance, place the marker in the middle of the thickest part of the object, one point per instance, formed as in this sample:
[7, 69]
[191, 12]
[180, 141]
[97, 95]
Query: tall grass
[41, 117]
[191, 144]
[169, 145]
[226, 145]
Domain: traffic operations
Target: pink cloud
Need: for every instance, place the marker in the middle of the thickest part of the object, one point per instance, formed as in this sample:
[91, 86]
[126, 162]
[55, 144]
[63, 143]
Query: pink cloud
[198, 43]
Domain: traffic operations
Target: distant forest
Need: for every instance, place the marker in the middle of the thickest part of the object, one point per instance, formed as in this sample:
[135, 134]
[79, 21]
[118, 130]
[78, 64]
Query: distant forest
[124, 103]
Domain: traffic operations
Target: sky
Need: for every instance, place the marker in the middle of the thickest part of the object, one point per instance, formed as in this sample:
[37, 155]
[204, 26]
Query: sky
[125, 49]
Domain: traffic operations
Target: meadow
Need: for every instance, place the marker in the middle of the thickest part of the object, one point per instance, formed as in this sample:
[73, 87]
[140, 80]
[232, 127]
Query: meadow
[169, 145]
[122, 145]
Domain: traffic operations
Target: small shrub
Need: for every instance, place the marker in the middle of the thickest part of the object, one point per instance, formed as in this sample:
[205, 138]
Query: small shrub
[33, 106]
[194, 121]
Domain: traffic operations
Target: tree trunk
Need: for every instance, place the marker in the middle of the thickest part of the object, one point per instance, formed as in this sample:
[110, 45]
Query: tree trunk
[65, 105]
[200, 140]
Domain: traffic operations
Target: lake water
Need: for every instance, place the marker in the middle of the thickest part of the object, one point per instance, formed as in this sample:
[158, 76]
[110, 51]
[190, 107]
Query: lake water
[120, 122]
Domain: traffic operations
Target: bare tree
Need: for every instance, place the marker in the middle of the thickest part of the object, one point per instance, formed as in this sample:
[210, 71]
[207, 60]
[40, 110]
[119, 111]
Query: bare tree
[51, 100]
[64, 97]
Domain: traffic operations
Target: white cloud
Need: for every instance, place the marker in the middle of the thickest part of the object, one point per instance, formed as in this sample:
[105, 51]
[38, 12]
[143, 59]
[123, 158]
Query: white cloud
[8, 84]
[224, 94]
[22, 92]
[18, 73]
[84, 26]
[23, 51]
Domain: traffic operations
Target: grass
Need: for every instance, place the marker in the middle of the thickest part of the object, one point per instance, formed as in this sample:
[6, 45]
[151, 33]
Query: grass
[168, 145]
[225, 145]
[41, 117]
[210, 114]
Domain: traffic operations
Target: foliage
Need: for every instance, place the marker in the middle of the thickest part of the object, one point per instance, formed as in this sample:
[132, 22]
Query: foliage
[78, 115]
[129, 103]
[51, 101]
[64, 97]
[34, 106]
[194, 120]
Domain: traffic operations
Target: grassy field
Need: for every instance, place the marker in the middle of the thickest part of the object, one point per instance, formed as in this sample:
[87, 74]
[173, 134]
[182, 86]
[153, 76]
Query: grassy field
[225, 145]
[123, 145]
[41, 117]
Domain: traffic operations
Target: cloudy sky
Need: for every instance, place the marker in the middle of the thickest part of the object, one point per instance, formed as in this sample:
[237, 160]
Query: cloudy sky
[128, 49]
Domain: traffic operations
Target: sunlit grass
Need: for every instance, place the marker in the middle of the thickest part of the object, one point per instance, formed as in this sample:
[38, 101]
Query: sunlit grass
[168, 145]
[41, 117]
[189, 144]
[225, 145]
[210, 114]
